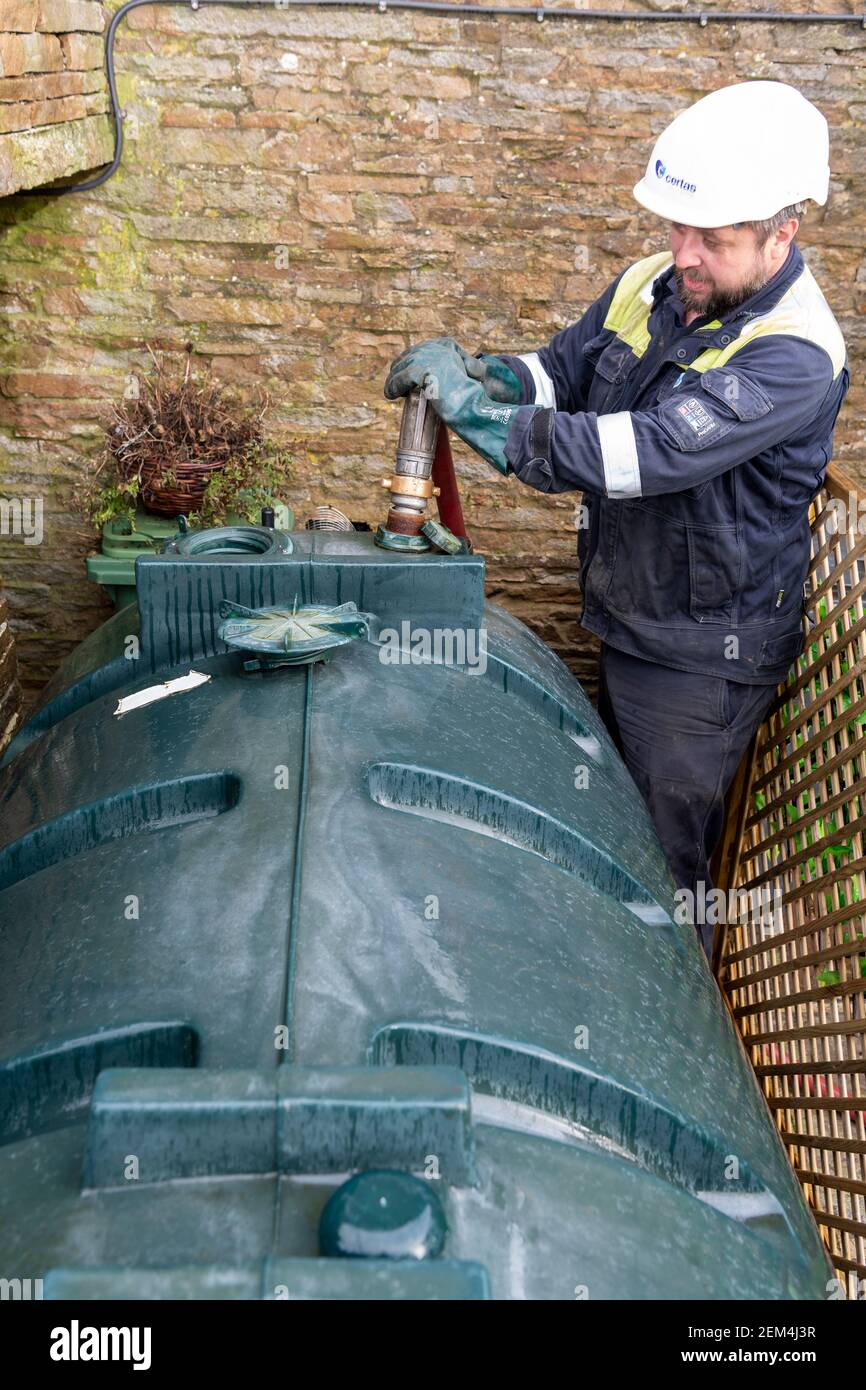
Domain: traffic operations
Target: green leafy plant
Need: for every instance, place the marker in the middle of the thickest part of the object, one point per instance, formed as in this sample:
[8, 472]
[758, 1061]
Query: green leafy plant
[244, 486]
[108, 502]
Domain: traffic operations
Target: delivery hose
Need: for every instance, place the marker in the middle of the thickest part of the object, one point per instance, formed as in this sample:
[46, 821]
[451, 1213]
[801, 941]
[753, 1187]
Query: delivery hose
[444, 477]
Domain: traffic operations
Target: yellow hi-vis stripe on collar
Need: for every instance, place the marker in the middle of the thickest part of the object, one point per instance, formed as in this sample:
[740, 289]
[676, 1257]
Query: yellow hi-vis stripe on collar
[802, 312]
[630, 307]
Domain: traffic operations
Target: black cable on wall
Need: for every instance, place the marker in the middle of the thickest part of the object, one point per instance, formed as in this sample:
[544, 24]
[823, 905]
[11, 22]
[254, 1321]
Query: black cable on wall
[538, 12]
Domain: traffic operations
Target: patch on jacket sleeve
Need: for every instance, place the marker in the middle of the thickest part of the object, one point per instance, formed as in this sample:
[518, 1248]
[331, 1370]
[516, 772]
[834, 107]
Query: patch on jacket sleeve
[699, 420]
[693, 423]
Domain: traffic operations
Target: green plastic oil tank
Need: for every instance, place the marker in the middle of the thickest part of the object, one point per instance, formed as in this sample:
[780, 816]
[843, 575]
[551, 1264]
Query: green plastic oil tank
[359, 979]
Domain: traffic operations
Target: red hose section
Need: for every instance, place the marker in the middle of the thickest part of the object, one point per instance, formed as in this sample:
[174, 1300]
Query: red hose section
[444, 477]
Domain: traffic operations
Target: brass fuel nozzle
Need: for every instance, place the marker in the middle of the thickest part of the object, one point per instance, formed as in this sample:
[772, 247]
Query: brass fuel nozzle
[411, 485]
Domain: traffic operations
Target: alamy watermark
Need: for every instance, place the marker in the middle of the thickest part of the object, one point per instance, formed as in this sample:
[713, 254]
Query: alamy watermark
[22, 516]
[842, 517]
[20, 1290]
[709, 906]
[465, 647]
[86, 1343]
[855, 1291]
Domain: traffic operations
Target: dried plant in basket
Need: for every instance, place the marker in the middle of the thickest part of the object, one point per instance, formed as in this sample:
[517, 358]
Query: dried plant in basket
[171, 437]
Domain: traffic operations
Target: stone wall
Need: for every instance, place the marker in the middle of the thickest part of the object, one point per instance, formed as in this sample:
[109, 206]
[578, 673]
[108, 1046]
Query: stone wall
[53, 91]
[306, 191]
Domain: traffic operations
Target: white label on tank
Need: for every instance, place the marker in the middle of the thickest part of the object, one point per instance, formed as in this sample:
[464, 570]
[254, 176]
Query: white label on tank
[159, 692]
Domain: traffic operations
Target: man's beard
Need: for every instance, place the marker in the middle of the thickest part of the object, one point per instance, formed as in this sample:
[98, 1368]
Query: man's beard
[719, 302]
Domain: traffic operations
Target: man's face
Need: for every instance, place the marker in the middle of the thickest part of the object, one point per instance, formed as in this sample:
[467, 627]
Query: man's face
[717, 268]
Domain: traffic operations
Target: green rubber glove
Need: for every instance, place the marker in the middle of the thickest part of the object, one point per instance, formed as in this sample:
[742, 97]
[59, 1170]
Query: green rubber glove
[407, 372]
[499, 381]
[464, 406]
[438, 368]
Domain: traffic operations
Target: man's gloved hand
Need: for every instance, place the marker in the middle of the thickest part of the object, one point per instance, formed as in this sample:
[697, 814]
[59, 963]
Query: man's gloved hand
[459, 399]
[499, 381]
[408, 371]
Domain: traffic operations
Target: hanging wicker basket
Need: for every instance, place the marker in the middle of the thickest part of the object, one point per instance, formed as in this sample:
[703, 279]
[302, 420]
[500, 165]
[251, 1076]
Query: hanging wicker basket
[178, 490]
[174, 436]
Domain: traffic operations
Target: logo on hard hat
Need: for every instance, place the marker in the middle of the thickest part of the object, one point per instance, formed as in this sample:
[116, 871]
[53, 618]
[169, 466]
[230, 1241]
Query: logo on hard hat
[662, 173]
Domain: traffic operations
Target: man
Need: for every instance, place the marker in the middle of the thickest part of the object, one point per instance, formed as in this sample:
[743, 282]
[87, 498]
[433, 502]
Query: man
[693, 405]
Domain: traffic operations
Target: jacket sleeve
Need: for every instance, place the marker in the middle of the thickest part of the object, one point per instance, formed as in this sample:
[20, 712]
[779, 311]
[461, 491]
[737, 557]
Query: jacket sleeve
[771, 388]
[559, 375]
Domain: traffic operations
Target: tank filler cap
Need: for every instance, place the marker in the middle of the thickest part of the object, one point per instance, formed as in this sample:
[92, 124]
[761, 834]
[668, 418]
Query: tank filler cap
[383, 1214]
[442, 539]
[293, 636]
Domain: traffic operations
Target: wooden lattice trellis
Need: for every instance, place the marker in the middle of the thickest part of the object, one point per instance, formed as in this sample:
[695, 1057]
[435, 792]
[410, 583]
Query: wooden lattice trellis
[793, 966]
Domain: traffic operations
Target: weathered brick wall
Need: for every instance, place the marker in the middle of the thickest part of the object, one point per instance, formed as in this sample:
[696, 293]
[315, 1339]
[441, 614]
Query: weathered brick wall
[53, 91]
[304, 192]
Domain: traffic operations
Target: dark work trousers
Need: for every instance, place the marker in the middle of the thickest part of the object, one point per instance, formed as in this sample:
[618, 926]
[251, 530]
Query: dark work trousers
[681, 736]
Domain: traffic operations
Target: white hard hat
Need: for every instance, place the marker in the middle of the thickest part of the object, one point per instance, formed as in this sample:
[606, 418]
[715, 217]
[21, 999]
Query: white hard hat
[740, 154]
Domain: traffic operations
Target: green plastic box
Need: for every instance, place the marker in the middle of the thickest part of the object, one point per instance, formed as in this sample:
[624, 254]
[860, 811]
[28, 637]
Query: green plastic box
[114, 566]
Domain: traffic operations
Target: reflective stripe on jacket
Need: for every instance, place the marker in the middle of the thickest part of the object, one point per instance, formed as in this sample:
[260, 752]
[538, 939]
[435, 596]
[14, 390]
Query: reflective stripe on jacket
[698, 450]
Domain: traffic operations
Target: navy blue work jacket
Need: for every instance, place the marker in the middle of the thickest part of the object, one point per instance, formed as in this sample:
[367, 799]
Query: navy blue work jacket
[697, 450]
